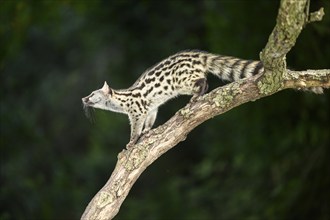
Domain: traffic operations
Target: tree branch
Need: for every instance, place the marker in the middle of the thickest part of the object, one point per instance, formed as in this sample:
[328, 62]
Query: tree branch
[132, 162]
[307, 79]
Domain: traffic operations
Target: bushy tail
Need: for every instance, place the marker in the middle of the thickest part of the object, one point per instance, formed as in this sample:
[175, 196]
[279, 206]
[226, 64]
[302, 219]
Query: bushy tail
[232, 68]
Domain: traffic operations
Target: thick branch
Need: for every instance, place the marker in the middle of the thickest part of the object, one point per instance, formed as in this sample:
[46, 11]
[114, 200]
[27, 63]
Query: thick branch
[131, 163]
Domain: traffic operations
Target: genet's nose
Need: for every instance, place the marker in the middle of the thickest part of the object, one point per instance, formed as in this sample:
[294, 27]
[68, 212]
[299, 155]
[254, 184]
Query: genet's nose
[85, 99]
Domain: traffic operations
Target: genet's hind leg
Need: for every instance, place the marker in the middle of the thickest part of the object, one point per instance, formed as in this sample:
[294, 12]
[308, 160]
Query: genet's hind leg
[201, 87]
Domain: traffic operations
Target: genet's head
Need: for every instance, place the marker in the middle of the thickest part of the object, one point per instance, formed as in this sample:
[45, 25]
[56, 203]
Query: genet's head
[98, 98]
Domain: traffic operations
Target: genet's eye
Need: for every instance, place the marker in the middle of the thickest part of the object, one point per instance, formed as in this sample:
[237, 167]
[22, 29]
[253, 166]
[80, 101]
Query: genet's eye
[95, 99]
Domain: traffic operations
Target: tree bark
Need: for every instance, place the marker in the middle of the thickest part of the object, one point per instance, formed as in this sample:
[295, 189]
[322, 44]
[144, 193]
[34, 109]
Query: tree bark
[293, 15]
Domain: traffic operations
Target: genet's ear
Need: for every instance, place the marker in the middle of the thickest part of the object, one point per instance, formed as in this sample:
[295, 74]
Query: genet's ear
[106, 89]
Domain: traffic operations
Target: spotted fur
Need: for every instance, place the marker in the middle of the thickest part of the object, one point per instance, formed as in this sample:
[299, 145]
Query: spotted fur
[183, 73]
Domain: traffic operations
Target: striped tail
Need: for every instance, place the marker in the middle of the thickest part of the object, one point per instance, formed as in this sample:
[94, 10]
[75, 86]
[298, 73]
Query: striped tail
[232, 68]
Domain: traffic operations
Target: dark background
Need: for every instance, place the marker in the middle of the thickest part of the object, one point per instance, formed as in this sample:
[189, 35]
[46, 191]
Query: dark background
[267, 159]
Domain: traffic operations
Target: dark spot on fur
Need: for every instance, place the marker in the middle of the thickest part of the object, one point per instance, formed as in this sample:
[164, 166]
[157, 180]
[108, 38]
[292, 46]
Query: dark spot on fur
[204, 60]
[185, 64]
[143, 102]
[196, 62]
[148, 91]
[159, 66]
[151, 73]
[181, 72]
[196, 55]
[136, 94]
[140, 86]
[139, 105]
[149, 80]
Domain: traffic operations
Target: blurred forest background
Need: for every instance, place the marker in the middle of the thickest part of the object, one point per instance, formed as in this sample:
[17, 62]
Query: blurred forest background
[267, 159]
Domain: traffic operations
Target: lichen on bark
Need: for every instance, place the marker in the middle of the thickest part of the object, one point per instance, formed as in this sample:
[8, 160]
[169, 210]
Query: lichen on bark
[225, 96]
[290, 21]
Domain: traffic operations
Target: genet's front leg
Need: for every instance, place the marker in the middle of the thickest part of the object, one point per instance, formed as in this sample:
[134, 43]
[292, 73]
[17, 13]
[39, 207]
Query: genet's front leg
[136, 128]
[150, 120]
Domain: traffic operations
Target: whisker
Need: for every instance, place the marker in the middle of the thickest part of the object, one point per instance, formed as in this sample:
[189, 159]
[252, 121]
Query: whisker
[89, 112]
